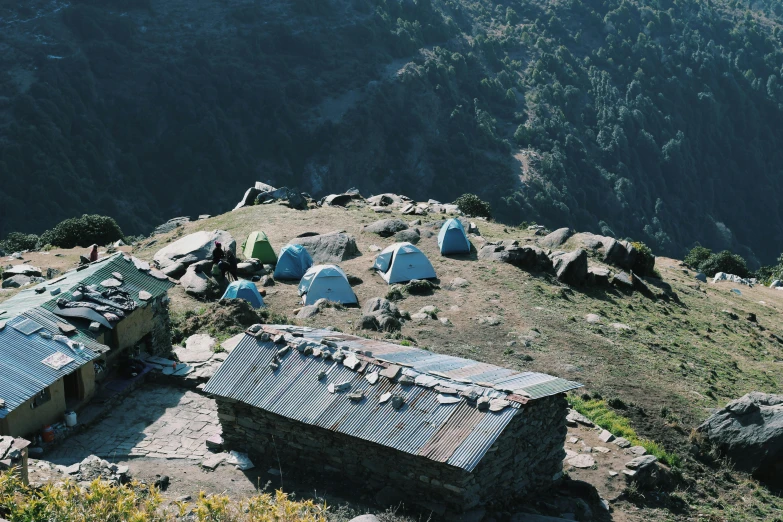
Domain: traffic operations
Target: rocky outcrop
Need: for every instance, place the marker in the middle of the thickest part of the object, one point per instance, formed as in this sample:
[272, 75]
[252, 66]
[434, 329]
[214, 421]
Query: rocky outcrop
[329, 248]
[571, 267]
[386, 227]
[193, 248]
[749, 431]
[621, 254]
[529, 257]
[556, 238]
[252, 193]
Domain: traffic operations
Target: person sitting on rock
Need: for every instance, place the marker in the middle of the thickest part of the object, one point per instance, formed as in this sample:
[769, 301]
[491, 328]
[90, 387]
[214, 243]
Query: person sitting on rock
[94, 254]
[233, 263]
[217, 253]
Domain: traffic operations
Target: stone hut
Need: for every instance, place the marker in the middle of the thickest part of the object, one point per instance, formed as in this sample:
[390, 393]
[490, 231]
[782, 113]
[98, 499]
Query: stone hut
[442, 430]
[58, 337]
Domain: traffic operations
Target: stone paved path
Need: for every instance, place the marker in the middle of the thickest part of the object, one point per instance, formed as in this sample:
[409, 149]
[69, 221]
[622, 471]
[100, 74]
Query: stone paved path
[155, 421]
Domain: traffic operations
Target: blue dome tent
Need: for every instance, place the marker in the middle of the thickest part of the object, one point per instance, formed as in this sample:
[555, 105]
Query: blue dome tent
[244, 290]
[452, 238]
[293, 262]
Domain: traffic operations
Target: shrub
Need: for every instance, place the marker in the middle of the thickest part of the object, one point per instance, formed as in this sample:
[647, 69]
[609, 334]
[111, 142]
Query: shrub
[697, 256]
[725, 262]
[471, 205]
[16, 241]
[644, 265]
[84, 231]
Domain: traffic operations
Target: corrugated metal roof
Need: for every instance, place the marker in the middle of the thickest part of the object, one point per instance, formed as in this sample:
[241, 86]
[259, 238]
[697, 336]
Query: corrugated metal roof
[134, 281]
[22, 372]
[457, 434]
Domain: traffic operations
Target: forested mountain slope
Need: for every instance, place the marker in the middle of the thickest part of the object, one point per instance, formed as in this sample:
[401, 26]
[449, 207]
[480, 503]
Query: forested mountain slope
[654, 119]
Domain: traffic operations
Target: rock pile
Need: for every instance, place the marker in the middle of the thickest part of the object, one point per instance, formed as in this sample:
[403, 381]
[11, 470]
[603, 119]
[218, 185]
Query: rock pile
[94, 467]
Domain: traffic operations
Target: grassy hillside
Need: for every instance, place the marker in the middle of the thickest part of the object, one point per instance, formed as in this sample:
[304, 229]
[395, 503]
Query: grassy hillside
[652, 119]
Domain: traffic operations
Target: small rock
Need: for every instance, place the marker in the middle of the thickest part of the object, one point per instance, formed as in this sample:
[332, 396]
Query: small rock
[623, 443]
[605, 436]
[573, 440]
[582, 461]
[641, 462]
[613, 473]
[602, 449]
[637, 450]
[482, 404]
[397, 402]
[356, 396]
[574, 418]
[593, 318]
[145, 296]
[372, 378]
[456, 283]
[365, 518]
[213, 461]
[385, 397]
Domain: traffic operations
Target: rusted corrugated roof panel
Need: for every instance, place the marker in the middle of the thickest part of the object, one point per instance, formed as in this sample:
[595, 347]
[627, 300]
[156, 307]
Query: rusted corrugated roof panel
[457, 434]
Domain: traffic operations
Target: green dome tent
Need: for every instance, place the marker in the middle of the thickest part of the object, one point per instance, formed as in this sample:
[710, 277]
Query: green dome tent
[258, 247]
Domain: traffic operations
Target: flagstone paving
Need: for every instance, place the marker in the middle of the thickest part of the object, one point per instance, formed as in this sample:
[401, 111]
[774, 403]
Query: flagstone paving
[155, 421]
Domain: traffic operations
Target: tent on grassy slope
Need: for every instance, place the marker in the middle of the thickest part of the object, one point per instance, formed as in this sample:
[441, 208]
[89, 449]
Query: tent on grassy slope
[293, 262]
[452, 238]
[244, 290]
[258, 247]
[326, 282]
[403, 262]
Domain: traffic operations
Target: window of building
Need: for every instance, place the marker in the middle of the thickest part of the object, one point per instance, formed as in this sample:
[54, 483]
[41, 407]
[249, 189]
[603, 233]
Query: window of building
[42, 398]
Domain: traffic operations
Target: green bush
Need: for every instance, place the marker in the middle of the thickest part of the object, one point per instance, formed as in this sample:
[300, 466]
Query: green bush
[644, 265]
[725, 262]
[697, 256]
[16, 241]
[84, 231]
[471, 205]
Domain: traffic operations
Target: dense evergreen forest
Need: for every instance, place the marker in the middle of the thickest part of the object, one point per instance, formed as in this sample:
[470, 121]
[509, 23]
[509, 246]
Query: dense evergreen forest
[657, 120]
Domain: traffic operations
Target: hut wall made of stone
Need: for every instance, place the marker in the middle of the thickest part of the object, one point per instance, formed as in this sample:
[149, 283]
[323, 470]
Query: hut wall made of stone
[526, 458]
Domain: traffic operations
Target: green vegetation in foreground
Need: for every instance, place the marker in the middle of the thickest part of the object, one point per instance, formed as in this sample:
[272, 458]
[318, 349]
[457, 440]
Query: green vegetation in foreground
[597, 411]
[102, 502]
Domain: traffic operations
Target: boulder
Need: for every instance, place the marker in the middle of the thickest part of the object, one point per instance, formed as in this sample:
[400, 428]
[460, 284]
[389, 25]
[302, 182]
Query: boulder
[380, 306]
[386, 227]
[307, 312]
[336, 200]
[528, 257]
[590, 241]
[556, 238]
[774, 284]
[16, 281]
[388, 323]
[369, 322]
[598, 276]
[456, 283]
[252, 193]
[365, 518]
[749, 431]
[175, 270]
[619, 253]
[412, 236]
[701, 277]
[193, 247]
[571, 267]
[622, 281]
[334, 247]
[23, 270]
[640, 286]
[199, 284]
[170, 225]
[249, 268]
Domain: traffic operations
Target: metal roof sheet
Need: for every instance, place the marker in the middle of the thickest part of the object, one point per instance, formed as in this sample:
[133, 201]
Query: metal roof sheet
[22, 372]
[456, 434]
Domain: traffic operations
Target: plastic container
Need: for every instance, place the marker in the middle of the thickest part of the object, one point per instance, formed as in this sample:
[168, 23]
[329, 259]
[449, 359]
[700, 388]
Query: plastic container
[70, 419]
[47, 435]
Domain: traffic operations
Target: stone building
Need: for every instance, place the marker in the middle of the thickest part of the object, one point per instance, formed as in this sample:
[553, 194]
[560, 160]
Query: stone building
[444, 431]
[58, 338]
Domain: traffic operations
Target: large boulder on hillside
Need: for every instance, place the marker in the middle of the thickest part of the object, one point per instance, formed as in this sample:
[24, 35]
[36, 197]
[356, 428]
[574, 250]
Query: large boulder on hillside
[193, 248]
[619, 253]
[198, 282]
[571, 267]
[528, 257]
[386, 227]
[252, 193]
[22, 270]
[333, 247]
[556, 238]
[598, 276]
[749, 431]
[16, 281]
[590, 241]
[411, 235]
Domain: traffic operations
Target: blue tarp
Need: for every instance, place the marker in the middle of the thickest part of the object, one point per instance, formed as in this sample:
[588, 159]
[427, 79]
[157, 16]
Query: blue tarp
[452, 238]
[293, 262]
[244, 290]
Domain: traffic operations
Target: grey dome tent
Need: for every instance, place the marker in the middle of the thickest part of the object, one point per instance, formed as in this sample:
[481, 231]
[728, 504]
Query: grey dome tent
[403, 262]
[326, 282]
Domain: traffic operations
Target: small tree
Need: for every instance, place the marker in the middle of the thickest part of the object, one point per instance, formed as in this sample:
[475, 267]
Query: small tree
[84, 231]
[472, 206]
[697, 256]
[16, 241]
[644, 265]
[725, 262]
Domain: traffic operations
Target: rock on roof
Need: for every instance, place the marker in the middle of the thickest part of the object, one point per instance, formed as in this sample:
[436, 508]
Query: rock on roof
[444, 408]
